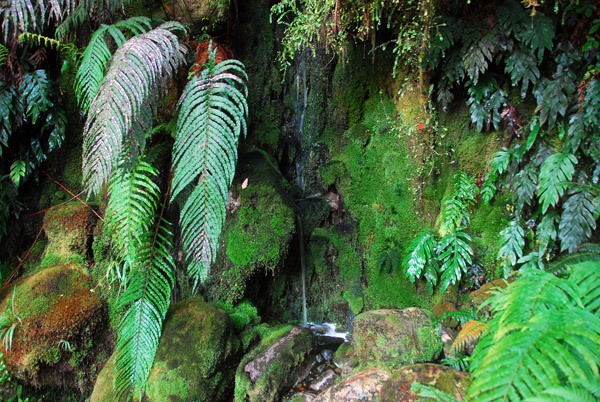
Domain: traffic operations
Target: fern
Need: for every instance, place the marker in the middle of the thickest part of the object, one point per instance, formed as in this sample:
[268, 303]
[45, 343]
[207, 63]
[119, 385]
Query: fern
[577, 220]
[388, 260]
[421, 259]
[430, 393]
[455, 255]
[485, 101]
[213, 110]
[479, 55]
[511, 245]
[585, 252]
[457, 361]
[3, 55]
[522, 67]
[461, 316]
[120, 111]
[470, 332]
[488, 188]
[555, 174]
[539, 34]
[524, 186]
[97, 55]
[500, 161]
[539, 352]
[546, 231]
[36, 93]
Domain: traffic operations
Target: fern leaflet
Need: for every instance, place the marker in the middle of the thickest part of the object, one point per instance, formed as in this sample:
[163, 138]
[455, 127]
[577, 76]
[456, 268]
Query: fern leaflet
[555, 174]
[455, 254]
[577, 220]
[421, 259]
[511, 245]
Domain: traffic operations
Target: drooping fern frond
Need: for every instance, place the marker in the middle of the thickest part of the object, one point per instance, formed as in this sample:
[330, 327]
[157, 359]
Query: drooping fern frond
[3, 55]
[546, 334]
[421, 259]
[132, 201]
[146, 298]
[455, 254]
[119, 113]
[555, 174]
[577, 220]
[97, 54]
[470, 332]
[212, 116]
[511, 243]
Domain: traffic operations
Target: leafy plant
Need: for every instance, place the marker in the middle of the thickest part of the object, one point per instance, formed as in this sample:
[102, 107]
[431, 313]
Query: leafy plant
[457, 361]
[388, 260]
[9, 320]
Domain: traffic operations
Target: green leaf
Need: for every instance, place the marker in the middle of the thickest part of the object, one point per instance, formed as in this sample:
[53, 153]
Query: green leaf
[511, 245]
[17, 171]
[455, 254]
[522, 67]
[555, 174]
[500, 161]
[488, 188]
[577, 220]
[479, 55]
[524, 186]
[539, 34]
[546, 231]
[36, 93]
[421, 258]
[211, 118]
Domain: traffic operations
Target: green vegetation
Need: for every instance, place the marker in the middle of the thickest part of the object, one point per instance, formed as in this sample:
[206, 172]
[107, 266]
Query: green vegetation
[8, 322]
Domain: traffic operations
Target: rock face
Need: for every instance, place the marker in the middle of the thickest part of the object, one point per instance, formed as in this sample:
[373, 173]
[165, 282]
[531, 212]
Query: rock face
[194, 358]
[394, 338]
[275, 365]
[194, 11]
[62, 328]
[398, 387]
[363, 386]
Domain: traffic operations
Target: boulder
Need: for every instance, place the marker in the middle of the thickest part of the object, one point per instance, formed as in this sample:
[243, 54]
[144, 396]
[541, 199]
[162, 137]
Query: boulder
[449, 380]
[440, 309]
[61, 331]
[345, 358]
[363, 386]
[280, 361]
[194, 358]
[394, 338]
[480, 295]
[203, 12]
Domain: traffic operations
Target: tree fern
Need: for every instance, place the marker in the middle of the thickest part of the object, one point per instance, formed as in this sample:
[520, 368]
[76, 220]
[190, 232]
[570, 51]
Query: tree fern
[212, 116]
[97, 55]
[539, 352]
[120, 114]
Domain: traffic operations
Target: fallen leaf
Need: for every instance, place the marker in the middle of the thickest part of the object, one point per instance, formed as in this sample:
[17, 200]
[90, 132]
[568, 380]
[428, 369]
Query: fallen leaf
[245, 184]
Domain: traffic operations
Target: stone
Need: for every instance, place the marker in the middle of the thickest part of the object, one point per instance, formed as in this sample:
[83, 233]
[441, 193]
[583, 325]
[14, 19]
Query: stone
[198, 11]
[345, 358]
[281, 360]
[393, 338]
[324, 380]
[439, 309]
[364, 386]
[194, 357]
[62, 331]
[304, 396]
[449, 380]
[480, 295]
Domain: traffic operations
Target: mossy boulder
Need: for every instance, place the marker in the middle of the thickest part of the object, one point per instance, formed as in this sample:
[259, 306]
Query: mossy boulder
[62, 334]
[258, 230]
[194, 360]
[394, 338]
[440, 309]
[480, 295]
[364, 386]
[69, 230]
[276, 364]
[201, 12]
[449, 380]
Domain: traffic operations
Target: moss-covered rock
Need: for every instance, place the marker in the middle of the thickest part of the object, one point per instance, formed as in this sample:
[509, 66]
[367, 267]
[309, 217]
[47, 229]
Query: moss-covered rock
[449, 380]
[477, 297]
[345, 358]
[194, 360]
[273, 366]
[364, 386]
[60, 339]
[258, 230]
[69, 230]
[394, 338]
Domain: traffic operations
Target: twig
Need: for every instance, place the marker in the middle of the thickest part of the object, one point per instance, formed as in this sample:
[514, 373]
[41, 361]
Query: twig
[62, 203]
[78, 199]
[22, 260]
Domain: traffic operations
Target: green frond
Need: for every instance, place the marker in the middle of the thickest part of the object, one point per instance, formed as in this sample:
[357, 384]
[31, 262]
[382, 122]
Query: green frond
[133, 197]
[139, 71]
[455, 254]
[211, 118]
[146, 298]
[577, 220]
[430, 393]
[585, 252]
[501, 161]
[555, 174]
[3, 55]
[19, 16]
[587, 277]
[97, 54]
[36, 93]
[511, 244]
[421, 258]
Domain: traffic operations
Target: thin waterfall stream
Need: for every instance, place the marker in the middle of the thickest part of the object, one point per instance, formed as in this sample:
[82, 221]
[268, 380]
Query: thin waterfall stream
[303, 266]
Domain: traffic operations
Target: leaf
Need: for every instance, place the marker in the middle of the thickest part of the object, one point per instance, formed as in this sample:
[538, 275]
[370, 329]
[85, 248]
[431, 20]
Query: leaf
[500, 161]
[555, 174]
[455, 254]
[120, 111]
[524, 186]
[522, 67]
[538, 34]
[585, 252]
[577, 220]
[488, 189]
[421, 258]
[546, 231]
[212, 116]
[511, 245]
[469, 333]
[17, 171]
[36, 93]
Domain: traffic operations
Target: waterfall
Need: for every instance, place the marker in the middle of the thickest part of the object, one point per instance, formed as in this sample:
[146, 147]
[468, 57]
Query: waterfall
[303, 265]
[299, 111]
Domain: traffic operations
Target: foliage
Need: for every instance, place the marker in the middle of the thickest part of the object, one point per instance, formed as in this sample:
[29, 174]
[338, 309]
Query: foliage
[470, 331]
[457, 361]
[9, 320]
[539, 352]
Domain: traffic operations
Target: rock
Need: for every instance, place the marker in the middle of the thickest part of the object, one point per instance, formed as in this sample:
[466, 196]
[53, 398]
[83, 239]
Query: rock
[198, 11]
[362, 386]
[477, 297]
[325, 380]
[394, 338]
[62, 330]
[69, 230]
[345, 358]
[439, 309]
[304, 396]
[449, 380]
[447, 336]
[275, 365]
[194, 358]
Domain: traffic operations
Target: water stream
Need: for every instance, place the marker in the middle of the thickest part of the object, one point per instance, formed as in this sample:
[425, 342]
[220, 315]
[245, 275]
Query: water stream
[300, 106]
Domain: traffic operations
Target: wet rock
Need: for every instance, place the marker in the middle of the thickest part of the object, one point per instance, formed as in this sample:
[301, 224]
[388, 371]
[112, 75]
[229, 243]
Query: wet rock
[449, 380]
[394, 338]
[345, 358]
[194, 360]
[304, 396]
[279, 362]
[362, 386]
[477, 297]
[62, 329]
[325, 380]
[440, 309]
[447, 336]
[195, 11]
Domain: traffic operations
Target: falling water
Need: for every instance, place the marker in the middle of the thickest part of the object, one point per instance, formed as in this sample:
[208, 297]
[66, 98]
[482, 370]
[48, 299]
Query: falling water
[299, 111]
[303, 264]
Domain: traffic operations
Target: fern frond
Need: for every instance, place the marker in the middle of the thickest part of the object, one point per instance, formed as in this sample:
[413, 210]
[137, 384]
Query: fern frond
[97, 54]
[133, 197]
[488, 188]
[139, 71]
[511, 244]
[587, 277]
[501, 161]
[146, 298]
[524, 186]
[19, 16]
[421, 258]
[461, 316]
[3, 55]
[430, 393]
[577, 220]
[455, 254]
[555, 174]
[36, 93]
[471, 331]
[585, 252]
[212, 116]
[546, 232]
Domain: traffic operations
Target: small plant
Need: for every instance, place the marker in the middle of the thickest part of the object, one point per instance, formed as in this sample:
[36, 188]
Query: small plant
[64, 345]
[8, 323]
[457, 362]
